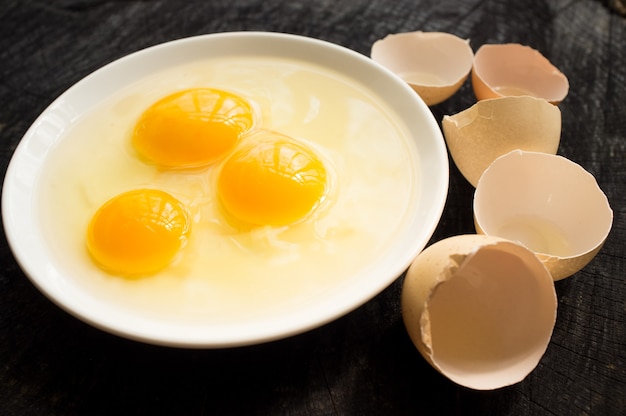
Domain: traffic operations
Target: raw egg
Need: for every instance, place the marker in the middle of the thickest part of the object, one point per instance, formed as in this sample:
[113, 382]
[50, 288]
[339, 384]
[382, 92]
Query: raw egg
[192, 128]
[271, 180]
[137, 232]
[286, 212]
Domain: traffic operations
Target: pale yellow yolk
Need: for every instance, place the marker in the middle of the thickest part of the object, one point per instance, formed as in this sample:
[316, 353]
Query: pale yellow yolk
[191, 128]
[138, 232]
[274, 181]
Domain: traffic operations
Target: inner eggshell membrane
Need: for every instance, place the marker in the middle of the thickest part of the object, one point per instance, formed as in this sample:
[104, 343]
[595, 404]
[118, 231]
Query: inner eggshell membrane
[548, 203]
[434, 64]
[512, 69]
[480, 309]
[489, 321]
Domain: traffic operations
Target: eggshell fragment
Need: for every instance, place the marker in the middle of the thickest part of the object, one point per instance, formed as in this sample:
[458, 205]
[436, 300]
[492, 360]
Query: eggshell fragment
[490, 128]
[480, 309]
[434, 64]
[512, 69]
[546, 202]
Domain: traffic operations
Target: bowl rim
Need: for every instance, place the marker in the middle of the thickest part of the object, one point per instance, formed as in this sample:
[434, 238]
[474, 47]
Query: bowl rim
[18, 194]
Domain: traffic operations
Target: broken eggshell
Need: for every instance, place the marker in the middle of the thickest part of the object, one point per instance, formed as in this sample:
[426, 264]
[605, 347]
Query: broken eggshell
[512, 69]
[490, 128]
[480, 309]
[434, 64]
[548, 203]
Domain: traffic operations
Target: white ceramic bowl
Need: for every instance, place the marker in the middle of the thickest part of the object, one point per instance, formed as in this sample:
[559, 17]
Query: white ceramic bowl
[23, 225]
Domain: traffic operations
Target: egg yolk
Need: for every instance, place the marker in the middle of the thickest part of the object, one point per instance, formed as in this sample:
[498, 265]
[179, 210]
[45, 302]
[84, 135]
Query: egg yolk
[275, 181]
[191, 128]
[137, 232]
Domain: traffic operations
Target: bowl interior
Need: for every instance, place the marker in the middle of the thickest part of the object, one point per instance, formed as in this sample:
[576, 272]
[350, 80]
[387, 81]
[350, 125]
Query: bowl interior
[37, 257]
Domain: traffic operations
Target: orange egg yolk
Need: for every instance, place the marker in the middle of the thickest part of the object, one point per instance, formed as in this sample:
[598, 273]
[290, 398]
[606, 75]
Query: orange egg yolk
[274, 182]
[191, 128]
[138, 232]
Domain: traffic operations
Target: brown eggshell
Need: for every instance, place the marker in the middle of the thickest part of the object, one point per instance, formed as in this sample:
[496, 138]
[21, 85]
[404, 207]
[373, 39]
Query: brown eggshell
[512, 69]
[490, 128]
[480, 309]
[434, 64]
[546, 202]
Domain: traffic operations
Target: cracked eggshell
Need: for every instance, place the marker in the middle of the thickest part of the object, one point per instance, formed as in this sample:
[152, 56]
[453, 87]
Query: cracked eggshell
[434, 64]
[512, 69]
[490, 128]
[480, 309]
[548, 203]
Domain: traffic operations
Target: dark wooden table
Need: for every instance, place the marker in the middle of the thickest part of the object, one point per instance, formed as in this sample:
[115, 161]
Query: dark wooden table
[364, 362]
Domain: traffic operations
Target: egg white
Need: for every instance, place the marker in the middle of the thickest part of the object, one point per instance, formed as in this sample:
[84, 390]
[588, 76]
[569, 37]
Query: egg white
[223, 274]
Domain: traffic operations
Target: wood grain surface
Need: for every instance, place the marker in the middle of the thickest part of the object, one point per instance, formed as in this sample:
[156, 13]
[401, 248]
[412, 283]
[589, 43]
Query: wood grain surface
[364, 362]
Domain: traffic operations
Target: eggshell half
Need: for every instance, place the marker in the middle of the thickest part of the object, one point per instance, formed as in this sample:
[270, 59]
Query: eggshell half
[480, 309]
[490, 128]
[546, 202]
[434, 64]
[512, 69]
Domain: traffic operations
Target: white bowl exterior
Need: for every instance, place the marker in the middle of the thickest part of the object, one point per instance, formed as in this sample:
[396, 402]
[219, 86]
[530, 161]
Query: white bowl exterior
[26, 240]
